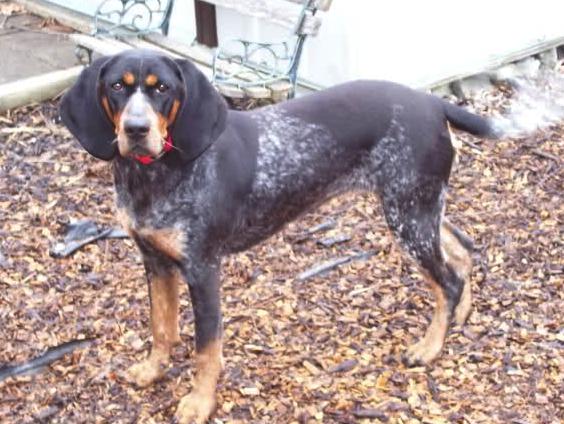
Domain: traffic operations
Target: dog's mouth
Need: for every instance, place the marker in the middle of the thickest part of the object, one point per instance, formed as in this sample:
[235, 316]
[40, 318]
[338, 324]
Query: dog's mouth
[144, 150]
[139, 148]
[136, 149]
[151, 143]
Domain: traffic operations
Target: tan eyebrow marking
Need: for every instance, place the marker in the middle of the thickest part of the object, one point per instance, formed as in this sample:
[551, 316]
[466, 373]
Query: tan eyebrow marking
[129, 78]
[151, 80]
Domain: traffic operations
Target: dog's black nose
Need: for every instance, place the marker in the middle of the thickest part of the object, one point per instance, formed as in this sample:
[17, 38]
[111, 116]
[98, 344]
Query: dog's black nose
[136, 127]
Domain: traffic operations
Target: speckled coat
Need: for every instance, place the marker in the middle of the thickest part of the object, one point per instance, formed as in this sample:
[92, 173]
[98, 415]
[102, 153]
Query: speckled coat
[235, 178]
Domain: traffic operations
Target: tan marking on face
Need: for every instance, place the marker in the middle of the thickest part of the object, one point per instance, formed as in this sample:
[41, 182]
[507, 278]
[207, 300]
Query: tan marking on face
[173, 112]
[163, 126]
[164, 326]
[151, 80]
[128, 78]
[165, 122]
[429, 347]
[168, 241]
[154, 141]
[118, 124]
[107, 109]
[200, 403]
[115, 118]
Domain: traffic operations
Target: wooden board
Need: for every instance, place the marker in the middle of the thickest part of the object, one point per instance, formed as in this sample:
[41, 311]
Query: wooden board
[257, 92]
[231, 91]
[36, 89]
[99, 45]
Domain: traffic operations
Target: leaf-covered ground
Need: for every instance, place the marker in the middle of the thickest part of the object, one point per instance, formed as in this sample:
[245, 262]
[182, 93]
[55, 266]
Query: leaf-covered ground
[326, 349]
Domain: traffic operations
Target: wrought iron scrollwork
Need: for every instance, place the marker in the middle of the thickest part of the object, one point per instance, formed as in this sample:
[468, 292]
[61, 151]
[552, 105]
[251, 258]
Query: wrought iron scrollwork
[132, 17]
[261, 63]
[252, 64]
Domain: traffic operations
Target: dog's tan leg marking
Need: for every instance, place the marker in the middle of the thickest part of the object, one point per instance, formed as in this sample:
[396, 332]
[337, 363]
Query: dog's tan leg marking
[164, 326]
[428, 348]
[464, 307]
[169, 241]
[458, 257]
[197, 406]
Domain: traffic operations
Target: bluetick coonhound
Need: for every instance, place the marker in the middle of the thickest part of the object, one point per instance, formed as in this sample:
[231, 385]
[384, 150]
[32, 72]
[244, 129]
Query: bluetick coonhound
[196, 181]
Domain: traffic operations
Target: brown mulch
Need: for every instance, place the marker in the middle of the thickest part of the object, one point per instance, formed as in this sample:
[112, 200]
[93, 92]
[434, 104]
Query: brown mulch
[325, 349]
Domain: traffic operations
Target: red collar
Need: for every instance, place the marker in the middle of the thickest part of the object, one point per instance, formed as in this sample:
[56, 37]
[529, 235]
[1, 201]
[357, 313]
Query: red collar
[146, 159]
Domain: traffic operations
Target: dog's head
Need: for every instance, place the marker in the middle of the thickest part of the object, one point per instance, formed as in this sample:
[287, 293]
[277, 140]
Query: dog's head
[133, 102]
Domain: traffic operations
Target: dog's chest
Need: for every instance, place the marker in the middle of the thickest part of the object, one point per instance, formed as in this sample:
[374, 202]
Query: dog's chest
[149, 213]
[167, 240]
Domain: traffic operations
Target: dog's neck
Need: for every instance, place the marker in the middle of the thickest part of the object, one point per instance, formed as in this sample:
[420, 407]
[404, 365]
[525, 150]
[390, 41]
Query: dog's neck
[158, 180]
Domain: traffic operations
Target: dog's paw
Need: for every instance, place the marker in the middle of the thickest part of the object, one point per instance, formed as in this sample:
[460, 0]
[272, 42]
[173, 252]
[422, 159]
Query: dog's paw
[195, 408]
[421, 353]
[146, 372]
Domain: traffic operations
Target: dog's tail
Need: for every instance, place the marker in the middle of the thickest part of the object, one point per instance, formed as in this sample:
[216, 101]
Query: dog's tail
[471, 123]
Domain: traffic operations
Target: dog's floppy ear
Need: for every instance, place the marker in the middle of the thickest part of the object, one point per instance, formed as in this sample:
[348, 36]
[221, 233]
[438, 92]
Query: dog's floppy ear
[83, 115]
[202, 114]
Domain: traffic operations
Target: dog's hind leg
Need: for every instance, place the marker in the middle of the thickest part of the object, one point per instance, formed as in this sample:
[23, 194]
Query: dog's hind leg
[414, 215]
[456, 248]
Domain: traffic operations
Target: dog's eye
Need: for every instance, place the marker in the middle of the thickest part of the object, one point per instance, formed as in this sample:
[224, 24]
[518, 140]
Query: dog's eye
[161, 88]
[117, 86]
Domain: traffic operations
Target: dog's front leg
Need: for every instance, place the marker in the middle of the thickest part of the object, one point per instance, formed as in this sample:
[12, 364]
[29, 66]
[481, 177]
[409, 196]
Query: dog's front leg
[163, 292]
[203, 281]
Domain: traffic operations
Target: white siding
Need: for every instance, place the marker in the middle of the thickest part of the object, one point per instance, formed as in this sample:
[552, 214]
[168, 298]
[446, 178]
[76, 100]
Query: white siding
[409, 41]
[412, 41]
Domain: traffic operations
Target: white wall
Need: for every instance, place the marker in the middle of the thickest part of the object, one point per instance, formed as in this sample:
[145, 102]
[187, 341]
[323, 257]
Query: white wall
[413, 41]
[183, 24]
[409, 41]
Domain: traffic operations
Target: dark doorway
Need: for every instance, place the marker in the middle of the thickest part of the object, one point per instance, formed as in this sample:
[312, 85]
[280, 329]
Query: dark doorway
[206, 25]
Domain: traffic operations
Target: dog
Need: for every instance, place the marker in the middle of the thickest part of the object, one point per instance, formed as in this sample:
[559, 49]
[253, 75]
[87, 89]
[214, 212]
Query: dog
[195, 182]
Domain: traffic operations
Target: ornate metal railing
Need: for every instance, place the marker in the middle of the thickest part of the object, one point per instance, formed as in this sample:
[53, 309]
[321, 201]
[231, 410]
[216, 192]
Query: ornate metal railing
[264, 62]
[127, 18]
[132, 17]
[241, 64]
